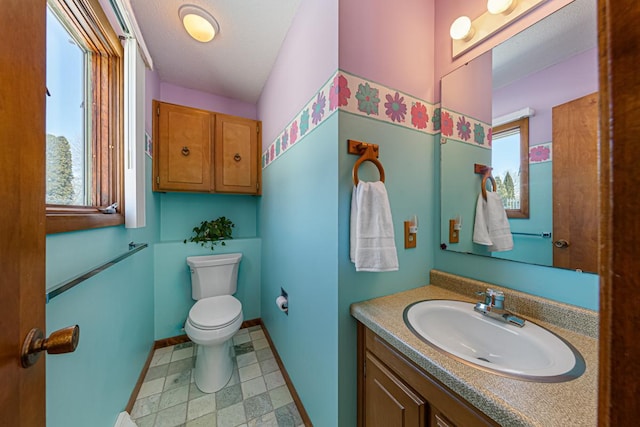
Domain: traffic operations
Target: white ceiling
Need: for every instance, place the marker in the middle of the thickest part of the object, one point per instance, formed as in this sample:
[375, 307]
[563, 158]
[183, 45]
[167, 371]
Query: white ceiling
[237, 63]
[567, 32]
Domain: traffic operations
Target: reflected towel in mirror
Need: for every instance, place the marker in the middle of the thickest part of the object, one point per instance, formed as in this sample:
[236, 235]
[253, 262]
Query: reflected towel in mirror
[491, 226]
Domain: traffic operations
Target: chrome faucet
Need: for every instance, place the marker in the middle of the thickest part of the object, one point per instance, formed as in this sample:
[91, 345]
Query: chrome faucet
[493, 306]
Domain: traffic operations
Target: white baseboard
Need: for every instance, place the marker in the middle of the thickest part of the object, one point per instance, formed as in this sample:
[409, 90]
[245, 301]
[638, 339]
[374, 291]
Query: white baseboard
[124, 420]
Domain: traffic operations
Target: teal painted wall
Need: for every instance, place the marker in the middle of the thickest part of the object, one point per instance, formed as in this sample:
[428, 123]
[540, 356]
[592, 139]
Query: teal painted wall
[172, 299]
[299, 232]
[407, 157]
[115, 313]
[179, 213]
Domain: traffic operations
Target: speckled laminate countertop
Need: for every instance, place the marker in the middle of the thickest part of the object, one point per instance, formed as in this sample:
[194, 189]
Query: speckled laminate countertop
[510, 402]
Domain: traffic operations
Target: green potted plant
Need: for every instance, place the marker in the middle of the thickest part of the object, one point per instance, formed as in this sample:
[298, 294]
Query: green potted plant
[209, 233]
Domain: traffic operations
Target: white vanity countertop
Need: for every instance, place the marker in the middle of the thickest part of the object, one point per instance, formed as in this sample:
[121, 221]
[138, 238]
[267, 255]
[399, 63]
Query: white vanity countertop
[510, 402]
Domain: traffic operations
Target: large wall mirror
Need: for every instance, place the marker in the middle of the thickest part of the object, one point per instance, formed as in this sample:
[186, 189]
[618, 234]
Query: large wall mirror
[527, 109]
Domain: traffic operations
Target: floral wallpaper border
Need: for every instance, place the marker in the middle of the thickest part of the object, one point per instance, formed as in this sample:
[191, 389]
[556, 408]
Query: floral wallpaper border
[460, 127]
[373, 100]
[356, 95]
[541, 153]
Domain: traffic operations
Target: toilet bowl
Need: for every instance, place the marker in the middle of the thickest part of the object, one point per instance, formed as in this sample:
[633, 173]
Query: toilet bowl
[211, 324]
[214, 318]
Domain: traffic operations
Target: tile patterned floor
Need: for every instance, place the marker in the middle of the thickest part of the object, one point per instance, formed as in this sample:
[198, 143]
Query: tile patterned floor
[256, 394]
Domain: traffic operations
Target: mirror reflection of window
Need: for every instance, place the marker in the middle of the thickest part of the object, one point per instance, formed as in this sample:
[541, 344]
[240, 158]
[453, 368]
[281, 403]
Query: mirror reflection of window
[510, 163]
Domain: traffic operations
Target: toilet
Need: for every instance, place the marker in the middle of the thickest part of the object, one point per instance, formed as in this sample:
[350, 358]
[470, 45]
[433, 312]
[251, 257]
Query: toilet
[214, 318]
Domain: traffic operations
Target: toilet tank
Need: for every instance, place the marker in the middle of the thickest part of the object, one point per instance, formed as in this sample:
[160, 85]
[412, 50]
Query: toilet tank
[214, 275]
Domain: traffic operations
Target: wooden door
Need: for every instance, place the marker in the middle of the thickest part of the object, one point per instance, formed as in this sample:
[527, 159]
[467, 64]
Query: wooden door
[237, 155]
[184, 158]
[575, 184]
[22, 211]
[388, 401]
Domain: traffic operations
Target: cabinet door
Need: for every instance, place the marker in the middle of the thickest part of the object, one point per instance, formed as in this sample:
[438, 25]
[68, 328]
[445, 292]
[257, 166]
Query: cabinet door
[183, 152]
[388, 401]
[237, 154]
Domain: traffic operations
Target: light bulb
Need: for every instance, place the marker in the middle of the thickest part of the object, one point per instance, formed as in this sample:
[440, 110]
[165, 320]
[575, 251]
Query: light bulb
[199, 24]
[461, 29]
[496, 7]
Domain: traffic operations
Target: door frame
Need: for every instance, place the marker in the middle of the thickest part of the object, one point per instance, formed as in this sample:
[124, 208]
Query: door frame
[619, 370]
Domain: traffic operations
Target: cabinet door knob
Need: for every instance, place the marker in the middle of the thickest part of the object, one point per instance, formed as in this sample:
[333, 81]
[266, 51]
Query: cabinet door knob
[185, 151]
[237, 157]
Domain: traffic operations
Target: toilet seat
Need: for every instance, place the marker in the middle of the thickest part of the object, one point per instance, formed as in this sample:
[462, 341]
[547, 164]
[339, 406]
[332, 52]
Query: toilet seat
[215, 312]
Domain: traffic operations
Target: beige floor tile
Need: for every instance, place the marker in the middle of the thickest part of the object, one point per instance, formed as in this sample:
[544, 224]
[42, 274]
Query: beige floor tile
[201, 406]
[260, 344]
[182, 354]
[232, 416]
[172, 417]
[274, 380]
[257, 335]
[249, 372]
[151, 387]
[280, 396]
[253, 387]
[174, 397]
[208, 420]
[246, 359]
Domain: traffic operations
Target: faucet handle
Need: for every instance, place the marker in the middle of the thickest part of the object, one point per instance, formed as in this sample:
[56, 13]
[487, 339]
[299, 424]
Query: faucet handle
[492, 298]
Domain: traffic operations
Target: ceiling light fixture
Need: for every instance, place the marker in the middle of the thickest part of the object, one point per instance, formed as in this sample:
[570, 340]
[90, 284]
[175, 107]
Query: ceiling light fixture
[461, 29]
[199, 23]
[496, 7]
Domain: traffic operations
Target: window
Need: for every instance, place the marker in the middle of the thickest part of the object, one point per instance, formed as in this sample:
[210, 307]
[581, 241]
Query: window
[510, 162]
[84, 117]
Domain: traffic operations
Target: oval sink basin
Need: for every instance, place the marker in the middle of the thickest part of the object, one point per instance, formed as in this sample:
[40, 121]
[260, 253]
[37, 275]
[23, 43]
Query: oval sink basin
[529, 353]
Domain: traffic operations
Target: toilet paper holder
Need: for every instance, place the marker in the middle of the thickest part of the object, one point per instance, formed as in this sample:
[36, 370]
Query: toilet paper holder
[282, 302]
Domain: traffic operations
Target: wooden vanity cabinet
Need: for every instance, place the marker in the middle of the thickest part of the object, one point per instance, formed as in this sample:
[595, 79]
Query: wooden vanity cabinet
[204, 151]
[393, 391]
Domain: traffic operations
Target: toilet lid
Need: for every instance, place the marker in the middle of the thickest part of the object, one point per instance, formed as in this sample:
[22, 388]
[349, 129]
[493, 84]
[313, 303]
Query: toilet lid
[215, 312]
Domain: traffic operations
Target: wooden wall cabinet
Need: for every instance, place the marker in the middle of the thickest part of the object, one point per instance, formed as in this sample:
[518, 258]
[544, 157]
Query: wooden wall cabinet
[393, 391]
[203, 151]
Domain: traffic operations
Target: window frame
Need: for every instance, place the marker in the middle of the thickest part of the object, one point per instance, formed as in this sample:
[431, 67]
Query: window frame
[522, 125]
[106, 78]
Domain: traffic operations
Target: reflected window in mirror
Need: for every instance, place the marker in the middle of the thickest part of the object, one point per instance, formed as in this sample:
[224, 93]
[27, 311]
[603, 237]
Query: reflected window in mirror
[510, 162]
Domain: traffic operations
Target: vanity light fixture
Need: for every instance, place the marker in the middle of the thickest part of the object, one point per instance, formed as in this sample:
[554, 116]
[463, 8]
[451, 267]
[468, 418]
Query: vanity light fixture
[500, 13]
[461, 29]
[200, 25]
[496, 7]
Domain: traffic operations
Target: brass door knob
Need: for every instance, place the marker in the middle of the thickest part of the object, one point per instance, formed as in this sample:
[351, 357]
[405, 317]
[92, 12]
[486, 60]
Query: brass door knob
[61, 341]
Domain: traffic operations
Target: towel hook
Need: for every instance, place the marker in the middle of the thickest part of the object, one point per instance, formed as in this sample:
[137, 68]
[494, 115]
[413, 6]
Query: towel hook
[367, 152]
[486, 174]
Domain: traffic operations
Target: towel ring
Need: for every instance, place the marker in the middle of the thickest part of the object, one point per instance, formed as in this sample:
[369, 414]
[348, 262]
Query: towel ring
[484, 185]
[364, 159]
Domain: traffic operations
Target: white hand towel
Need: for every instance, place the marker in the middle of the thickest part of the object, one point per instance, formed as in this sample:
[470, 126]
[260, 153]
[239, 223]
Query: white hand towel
[372, 238]
[491, 226]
